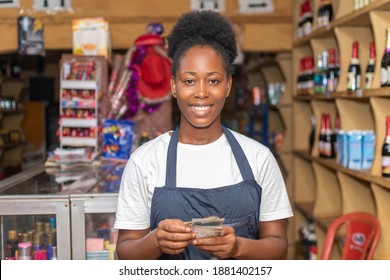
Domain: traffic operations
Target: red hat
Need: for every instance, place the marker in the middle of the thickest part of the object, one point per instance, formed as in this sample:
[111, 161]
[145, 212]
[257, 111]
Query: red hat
[154, 83]
[149, 39]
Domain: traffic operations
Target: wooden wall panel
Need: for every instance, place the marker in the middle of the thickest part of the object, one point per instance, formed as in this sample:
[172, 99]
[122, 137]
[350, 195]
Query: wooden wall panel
[128, 19]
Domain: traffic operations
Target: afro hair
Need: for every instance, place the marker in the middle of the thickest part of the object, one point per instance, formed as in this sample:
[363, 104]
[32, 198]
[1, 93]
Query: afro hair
[203, 28]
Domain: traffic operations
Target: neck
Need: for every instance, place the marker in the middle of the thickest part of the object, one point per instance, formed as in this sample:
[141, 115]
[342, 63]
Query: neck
[188, 134]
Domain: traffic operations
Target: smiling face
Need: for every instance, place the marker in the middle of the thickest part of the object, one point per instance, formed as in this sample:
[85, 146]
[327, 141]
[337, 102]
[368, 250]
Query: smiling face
[201, 86]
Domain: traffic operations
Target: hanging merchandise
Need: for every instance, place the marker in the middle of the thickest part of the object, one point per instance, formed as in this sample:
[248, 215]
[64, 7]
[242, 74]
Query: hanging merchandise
[91, 37]
[30, 36]
[117, 139]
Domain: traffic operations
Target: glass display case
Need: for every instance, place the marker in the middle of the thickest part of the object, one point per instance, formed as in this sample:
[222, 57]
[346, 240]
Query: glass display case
[72, 210]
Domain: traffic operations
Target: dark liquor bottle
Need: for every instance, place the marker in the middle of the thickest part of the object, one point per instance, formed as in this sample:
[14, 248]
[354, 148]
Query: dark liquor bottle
[300, 76]
[11, 246]
[354, 72]
[331, 71]
[312, 133]
[309, 82]
[300, 21]
[370, 68]
[386, 151]
[328, 139]
[385, 66]
[321, 140]
[308, 19]
[325, 13]
[144, 138]
[337, 71]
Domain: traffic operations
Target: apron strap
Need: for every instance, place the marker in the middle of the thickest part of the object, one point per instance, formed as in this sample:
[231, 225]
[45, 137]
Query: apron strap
[239, 155]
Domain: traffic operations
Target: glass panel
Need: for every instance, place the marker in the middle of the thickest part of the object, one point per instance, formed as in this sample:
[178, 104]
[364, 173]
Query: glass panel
[101, 236]
[28, 237]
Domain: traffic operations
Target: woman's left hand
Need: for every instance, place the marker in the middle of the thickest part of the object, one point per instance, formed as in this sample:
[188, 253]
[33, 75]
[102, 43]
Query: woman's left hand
[223, 247]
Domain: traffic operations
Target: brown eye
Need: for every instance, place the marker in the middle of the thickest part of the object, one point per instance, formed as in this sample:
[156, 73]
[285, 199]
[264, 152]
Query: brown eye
[213, 82]
[189, 82]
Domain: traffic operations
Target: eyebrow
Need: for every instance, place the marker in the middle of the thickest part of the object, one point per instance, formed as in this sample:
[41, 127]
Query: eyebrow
[194, 73]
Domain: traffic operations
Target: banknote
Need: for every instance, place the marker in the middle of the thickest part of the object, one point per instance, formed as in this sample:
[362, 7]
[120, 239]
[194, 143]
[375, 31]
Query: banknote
[207, 227]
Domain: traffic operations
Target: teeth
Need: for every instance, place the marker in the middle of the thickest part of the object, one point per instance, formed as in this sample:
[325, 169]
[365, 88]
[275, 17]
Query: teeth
[200, 108]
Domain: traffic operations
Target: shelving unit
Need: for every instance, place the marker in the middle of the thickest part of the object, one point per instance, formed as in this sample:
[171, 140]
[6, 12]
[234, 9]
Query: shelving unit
[11, 150]
[328, 190]
[80, 95]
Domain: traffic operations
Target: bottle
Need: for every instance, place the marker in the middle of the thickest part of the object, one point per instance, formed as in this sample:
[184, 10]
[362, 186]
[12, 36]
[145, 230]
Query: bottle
[354, 72]
[328, 146]
[309, 75]
[324, 72]
[308, 19]
[325, 13]
[331, 75]
[337, 71]
[386, 151]
[369, 75]
[11, 245]
[312, 133]
[300, 76]
[385, 66]
[337, 128]
[317, 75]
[144, 138]
[300, 21]
[321, 140]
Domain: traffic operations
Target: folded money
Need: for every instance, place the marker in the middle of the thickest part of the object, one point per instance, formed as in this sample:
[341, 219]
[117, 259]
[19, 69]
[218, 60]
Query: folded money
[207, 227]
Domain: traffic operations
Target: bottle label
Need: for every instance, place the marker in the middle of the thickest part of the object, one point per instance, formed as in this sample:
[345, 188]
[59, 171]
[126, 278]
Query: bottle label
[384, 76]
[388, 75]
[328, 149]
[369, 79]
[386, 165]
[353, 81]
[321, 147]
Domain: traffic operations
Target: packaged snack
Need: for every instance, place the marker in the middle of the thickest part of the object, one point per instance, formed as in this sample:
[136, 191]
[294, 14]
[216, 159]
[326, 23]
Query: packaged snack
[117, 139]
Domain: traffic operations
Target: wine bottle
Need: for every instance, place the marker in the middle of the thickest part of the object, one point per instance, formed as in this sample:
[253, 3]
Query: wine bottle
[300, 76]
[325, 13]
[385, 66]
[354, 72]
[331, 75]
[369, 75]
[309, 83]
[386, 151]
[328, 145]
[11, 245]
[321, 140]
[308, 19]
[300, 21]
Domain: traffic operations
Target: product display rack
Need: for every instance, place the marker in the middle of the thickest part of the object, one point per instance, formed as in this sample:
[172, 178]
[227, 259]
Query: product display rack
[328, 190]
[81, 93]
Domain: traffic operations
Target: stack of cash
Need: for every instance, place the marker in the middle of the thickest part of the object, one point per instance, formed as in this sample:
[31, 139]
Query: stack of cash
[207, 227]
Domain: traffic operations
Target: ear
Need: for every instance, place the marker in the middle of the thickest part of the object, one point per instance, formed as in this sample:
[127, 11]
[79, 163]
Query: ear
[173, 86]
[229, 85]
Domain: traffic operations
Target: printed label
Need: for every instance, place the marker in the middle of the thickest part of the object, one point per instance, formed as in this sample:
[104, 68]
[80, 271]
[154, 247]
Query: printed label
[352, 81]
[386, 165]
[384, 74]
[369, 79]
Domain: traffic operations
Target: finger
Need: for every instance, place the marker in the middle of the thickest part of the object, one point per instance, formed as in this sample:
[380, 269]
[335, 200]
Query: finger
[174, 226]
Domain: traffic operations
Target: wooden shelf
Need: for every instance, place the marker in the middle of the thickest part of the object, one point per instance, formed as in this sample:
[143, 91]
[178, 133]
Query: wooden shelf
[359, 17]
[307, 210]
[361, 94]
[332, 164]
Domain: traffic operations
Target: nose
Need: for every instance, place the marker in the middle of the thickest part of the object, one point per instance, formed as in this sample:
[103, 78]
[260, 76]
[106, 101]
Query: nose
[201, 91]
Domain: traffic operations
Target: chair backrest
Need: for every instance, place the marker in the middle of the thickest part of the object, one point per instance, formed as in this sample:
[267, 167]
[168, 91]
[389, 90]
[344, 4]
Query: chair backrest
[362, 236]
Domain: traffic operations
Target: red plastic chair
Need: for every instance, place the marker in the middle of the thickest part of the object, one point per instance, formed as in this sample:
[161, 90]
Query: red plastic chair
[362, 235]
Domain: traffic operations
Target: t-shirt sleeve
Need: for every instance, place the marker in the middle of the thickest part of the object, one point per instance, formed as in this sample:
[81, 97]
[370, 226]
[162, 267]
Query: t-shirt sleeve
[132, 209]
[275, 203]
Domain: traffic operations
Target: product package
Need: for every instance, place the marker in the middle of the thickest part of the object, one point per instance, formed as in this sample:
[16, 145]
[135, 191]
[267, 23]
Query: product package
[91, 37]
[368, 151]
[354, 150]
[30, 36]
[117, 139]
[342, 148]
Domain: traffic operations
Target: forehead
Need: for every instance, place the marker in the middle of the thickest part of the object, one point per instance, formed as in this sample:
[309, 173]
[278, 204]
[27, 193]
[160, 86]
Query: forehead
[201, 57]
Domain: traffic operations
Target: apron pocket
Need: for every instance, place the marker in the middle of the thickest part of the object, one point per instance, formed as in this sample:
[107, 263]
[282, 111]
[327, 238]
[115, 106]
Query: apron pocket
[244, 226]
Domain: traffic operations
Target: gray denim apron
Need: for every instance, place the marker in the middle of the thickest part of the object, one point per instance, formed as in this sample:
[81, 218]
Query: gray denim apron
[239, 204]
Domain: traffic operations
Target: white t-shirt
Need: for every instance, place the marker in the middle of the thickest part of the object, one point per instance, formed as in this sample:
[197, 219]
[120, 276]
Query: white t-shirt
[198, 166]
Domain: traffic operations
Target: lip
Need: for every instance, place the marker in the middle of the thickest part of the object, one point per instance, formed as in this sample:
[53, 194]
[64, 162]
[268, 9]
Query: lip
[200, 109]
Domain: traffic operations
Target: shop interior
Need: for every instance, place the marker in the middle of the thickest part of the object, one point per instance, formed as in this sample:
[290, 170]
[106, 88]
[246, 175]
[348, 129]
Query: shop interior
[312, 83]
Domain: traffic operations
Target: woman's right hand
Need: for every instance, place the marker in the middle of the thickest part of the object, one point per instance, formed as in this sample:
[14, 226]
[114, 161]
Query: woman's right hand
[173, 236]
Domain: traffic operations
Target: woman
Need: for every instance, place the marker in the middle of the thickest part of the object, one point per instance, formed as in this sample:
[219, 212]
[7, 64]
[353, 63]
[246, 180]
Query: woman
[202, 169]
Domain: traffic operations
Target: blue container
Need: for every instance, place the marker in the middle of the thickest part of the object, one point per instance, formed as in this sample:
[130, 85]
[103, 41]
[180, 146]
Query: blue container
[368, 148]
